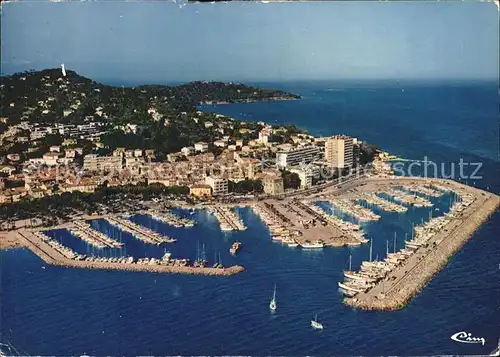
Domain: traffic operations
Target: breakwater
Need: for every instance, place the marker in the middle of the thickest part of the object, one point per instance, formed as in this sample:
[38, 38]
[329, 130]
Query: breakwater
[402, 284]
[53, 257]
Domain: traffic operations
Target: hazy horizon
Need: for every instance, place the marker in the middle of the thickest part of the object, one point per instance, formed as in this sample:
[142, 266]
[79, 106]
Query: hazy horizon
[164, 42]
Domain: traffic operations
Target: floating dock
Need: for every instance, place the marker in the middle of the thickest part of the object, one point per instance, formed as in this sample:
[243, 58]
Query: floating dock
[59, 255]
[98, 239]
[408, 198]
[228, 219]
[171, 219]
[404, 274]
[383, 204]
[355, 210]
[139, 232]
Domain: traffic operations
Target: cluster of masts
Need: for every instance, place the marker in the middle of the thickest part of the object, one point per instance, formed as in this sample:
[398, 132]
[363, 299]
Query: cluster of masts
[118, 260]
[145, 234]
[408, 198]
[425, 190]
[357, 211]
[62, 249]
[227, 218]
[352, 229]
[98, 239]
[388, 206]
[373, 271]
[279, 231]
[171, 219]
[201, 259]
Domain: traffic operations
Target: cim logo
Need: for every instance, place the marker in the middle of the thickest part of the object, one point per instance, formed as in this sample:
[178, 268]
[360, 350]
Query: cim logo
[464, 337]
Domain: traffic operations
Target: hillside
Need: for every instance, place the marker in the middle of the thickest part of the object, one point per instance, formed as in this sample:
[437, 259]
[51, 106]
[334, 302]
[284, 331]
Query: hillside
[164, 113]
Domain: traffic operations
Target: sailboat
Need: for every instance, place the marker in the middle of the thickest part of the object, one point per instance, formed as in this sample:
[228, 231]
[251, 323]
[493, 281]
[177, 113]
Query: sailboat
[315, 324]
[272, 304]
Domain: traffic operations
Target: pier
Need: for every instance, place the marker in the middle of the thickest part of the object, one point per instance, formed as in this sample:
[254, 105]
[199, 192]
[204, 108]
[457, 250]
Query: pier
[139, 232]
[425, 190]
[171, 219]
[228, 219]
[353, 230]
[408, 198]
[385, 205]
[403, 274]
[85, 232]
[355, 210]
[298, 223]
[54, 253]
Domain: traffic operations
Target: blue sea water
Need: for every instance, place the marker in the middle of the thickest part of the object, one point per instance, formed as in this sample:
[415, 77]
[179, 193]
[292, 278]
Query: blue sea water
[62, 311]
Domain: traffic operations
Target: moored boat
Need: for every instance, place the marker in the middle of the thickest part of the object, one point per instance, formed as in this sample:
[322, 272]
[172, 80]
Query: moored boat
[312, 245]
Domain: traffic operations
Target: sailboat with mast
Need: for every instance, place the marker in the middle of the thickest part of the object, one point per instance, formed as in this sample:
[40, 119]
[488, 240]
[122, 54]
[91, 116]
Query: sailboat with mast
[272, 304]
[315, 324]
[201, 260]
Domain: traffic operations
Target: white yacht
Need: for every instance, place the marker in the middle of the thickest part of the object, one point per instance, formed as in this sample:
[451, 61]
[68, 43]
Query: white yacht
[310, 245]
[272, 304]
[315, 324]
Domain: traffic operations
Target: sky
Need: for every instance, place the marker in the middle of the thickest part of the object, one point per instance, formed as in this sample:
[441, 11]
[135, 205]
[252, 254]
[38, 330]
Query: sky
[163, 42]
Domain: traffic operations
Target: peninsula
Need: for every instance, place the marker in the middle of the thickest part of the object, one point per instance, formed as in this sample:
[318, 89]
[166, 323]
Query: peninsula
[73, 150]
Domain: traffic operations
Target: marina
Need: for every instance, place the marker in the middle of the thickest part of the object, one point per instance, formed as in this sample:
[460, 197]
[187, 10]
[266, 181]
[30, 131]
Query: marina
[54, 253]
[359, 212]
[139, 232]
[383, 204]
[425, 190]
[305, 223]
[405, 197]
[391, 283]
[227, 217]
[85, 232]
[171, 219]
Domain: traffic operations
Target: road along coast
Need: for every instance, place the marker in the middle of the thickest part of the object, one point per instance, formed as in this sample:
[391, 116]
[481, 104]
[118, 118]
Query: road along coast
[405, 281]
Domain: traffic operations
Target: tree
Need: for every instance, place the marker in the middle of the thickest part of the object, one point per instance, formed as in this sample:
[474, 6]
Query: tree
[246, 186]
[367, 153]
[290, 179]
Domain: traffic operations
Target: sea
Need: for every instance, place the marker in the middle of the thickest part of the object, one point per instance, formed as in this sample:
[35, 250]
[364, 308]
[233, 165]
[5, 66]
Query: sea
[56, 311]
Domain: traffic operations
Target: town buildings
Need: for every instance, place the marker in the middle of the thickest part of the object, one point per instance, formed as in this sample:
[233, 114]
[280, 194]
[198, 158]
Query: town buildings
[201, 146]
[273, 185]
[200, 190]
[296, 156]
[219, 185]
[339, 151]
[92, 162]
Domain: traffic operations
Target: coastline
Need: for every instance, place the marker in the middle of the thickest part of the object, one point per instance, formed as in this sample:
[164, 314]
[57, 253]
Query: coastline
[52, 257]
[272, 99]
[10, 241]
[390, 295]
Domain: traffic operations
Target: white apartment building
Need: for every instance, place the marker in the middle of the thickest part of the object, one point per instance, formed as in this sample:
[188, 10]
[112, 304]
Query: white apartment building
[201, 146]
[265, 135]
[219, 185]
[92, 162]
[296, 156]
[339, 151]
[187, 150]
[306, 174]
[220, 143]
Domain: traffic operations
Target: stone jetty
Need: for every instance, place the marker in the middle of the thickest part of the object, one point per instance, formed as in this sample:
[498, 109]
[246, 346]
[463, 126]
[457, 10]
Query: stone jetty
[404, 281]
[53, 257]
